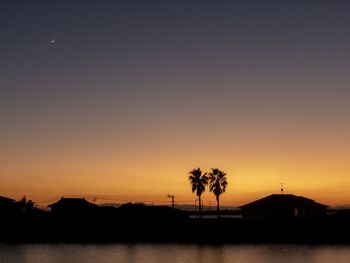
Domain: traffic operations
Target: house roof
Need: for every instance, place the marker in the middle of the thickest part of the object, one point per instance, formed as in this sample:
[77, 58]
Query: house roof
[282, 200]
[72, 202]
[4, 199]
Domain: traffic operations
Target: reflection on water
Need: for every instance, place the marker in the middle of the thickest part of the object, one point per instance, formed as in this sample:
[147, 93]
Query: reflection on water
[174, 253]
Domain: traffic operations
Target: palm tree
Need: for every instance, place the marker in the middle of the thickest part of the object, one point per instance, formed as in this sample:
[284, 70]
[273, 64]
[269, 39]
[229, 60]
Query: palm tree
[217, 185]
[198, 181]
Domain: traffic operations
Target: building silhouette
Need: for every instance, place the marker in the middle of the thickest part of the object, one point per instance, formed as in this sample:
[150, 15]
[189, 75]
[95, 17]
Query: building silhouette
[72, 207]
[283, 207]
[9, 208]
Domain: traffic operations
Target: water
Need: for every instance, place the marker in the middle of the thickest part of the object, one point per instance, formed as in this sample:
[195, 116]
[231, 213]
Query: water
[215, 216]
[173, 254]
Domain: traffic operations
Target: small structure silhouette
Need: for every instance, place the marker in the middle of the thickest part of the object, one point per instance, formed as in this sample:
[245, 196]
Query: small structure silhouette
[8, 208]
[5, 202]
[72, 207]
[282, 207]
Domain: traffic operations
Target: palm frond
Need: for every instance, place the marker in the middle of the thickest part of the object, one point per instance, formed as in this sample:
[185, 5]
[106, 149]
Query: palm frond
[217, 181]
[198, 181]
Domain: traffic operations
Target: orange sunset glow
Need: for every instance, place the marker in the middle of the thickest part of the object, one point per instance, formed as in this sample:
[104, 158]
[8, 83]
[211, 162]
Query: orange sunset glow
[121, 106]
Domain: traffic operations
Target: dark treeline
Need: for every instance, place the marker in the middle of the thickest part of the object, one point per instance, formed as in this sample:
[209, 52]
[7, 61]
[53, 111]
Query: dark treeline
[76, 220]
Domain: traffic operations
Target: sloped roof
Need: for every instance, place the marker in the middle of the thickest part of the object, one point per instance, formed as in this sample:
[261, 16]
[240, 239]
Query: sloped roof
[5, 199]
[275, 200]
[72, 202]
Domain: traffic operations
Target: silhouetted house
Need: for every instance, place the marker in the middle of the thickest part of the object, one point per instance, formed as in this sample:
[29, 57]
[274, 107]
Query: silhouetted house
[283, 207]
[73, 207]
[9, 209]
[5, 202]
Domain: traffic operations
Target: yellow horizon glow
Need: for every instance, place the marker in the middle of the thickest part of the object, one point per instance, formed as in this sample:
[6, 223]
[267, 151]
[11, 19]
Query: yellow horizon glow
[151, 180]
[310, 161]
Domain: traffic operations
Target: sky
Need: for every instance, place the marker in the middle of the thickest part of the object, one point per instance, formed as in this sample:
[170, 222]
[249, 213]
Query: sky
[132, 95]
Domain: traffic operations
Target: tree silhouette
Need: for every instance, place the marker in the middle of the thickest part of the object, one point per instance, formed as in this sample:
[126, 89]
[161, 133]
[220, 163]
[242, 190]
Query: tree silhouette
[25, 205]
[198, 181]
[217, 185]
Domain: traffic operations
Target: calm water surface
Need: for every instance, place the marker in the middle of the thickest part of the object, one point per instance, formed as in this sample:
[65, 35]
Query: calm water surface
[174, 253]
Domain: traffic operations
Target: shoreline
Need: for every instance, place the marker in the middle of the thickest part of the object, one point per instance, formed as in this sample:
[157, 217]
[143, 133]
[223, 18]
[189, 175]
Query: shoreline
[191, 231]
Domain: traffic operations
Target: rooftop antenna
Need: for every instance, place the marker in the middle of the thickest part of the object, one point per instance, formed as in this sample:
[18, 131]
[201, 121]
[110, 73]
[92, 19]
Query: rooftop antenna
[282, 186]
[172, 200]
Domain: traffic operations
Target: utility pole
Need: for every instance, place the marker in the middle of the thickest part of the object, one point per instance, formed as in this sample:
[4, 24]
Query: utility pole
[172, 200]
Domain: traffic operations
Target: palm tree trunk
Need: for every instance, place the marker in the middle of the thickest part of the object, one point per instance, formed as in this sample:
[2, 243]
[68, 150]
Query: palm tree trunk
[200, 206]
[218, 206]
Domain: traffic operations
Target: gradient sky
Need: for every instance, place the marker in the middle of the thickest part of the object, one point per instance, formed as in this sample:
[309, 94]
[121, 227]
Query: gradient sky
[134, 94]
